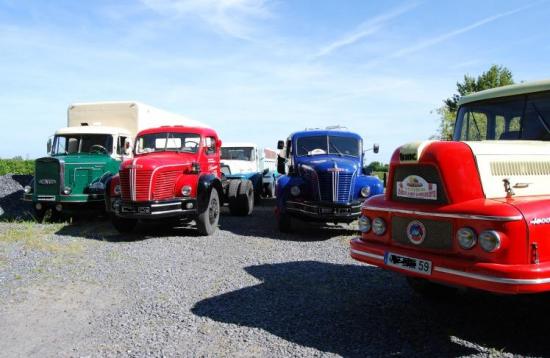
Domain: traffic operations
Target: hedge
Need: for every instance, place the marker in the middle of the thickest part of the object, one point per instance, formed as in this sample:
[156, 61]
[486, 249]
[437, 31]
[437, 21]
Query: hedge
[16, 166]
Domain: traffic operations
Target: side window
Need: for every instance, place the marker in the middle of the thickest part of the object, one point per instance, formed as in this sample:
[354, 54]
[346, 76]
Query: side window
[120, 145]
[500, 126]
[61, 145]
[210, 144]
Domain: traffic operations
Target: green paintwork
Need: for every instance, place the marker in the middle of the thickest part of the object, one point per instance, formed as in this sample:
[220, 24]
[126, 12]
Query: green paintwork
[79, 171]
[506, 91]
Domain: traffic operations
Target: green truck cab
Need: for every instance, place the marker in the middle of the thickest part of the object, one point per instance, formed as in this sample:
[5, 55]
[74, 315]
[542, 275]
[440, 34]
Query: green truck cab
[86, 153]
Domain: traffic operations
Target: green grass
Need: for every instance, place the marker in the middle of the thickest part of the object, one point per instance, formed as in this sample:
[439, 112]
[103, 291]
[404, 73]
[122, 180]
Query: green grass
[16, 166]
[33, 236]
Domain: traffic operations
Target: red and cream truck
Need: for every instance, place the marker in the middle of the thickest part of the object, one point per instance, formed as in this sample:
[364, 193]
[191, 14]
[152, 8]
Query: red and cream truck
[473, 212]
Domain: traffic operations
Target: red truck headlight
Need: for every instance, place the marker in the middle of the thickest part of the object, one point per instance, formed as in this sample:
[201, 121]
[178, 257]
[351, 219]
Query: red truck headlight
[490, 240]
[466, 237]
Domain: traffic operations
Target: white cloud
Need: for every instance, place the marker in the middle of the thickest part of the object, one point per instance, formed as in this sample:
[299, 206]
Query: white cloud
[366, 28]
[232, 17]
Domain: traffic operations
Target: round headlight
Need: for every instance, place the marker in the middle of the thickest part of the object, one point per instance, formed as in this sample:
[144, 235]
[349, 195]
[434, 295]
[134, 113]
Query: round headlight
[364, 224]
[489, 240]
[186, 190]
[379, 226]
[67, 190]
[27, 189]
[295, 190]
[466, 237]
[116, 189]
[365, 191]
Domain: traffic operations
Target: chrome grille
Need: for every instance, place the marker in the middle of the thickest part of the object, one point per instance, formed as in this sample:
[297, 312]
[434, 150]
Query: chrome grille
[134, 184]
[335, 186]
[164, 184]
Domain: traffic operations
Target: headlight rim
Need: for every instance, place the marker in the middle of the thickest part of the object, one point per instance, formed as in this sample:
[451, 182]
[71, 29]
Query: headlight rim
[188, 190]
[384, 226]
[496, 235]
[475, 238]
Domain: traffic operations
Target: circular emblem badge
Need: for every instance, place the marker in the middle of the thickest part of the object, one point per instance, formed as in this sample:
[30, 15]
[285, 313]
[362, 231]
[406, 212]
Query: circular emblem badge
[416, 232]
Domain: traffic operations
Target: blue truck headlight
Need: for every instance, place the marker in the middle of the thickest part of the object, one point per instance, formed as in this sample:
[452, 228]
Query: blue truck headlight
[295, 190]
[364, 224]
[365, 191]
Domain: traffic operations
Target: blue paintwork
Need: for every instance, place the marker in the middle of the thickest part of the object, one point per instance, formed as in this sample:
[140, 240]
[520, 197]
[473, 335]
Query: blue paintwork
[254, 177]
[314, 175]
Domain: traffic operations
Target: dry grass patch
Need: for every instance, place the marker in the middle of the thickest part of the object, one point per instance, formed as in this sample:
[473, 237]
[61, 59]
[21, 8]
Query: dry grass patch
[33, 236]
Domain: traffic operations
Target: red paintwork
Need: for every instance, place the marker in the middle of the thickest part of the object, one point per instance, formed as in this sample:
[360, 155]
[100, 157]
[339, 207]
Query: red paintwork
[514, 260]
[161, 175]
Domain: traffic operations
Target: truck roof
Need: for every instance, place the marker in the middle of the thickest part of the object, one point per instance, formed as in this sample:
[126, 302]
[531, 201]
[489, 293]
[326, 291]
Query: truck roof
[506, 91]
[91, 130]
[131, 115]
[180, 129]
[319, 132]
[239, 144]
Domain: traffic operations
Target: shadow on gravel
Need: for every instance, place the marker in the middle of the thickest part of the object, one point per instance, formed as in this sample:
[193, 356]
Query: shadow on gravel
[262, 223]
[12, 208]
[358, 311]
[101, 229]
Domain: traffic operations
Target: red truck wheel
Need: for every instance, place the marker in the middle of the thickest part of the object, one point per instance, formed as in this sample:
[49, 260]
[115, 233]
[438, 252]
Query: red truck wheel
[207, 221]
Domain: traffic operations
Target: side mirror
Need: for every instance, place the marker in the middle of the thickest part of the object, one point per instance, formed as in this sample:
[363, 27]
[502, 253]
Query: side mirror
[49, 146]
[127, 146]
[281, 165]
[375, 147]
[219, 143]
[266, 170]
[280, 144]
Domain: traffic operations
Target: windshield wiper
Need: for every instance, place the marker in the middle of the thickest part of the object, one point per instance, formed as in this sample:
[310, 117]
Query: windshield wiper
[337, 150]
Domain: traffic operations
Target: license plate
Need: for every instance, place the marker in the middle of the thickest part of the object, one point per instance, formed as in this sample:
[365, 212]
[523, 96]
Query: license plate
[408, 263]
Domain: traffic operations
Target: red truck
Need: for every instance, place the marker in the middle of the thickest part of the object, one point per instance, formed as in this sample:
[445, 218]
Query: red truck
[175, 174]
[473, 212]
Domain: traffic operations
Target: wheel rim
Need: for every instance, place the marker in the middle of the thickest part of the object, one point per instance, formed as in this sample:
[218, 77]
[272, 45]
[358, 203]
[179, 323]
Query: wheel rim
[213, 211]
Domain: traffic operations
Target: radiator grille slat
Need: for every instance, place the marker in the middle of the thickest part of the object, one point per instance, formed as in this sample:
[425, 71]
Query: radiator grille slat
[517, 168]
[341, 182]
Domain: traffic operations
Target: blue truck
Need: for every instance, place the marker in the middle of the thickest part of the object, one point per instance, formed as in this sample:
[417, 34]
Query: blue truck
[324, 178]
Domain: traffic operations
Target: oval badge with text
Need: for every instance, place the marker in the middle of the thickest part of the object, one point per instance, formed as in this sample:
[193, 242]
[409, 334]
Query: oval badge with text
[416, 232]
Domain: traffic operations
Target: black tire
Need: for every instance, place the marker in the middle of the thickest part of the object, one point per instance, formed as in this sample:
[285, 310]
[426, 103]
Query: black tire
[284, 222]
[39, 215]
[242, 203]
[123, 225]
[268, 190]
[208, 218]
[431, 290]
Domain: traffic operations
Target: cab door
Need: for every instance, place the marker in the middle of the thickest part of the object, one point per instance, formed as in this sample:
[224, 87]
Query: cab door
[211, 155]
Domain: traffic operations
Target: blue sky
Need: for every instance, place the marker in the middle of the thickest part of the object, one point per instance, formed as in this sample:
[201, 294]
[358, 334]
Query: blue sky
[257, 70]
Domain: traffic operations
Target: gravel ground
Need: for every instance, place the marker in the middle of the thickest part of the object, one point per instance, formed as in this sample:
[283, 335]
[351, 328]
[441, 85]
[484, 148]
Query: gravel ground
[11, 192]
[83, 290]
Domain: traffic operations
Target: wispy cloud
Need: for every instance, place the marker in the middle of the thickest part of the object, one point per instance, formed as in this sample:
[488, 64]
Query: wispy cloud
[366, 28]
[231, 17]
[426, 43]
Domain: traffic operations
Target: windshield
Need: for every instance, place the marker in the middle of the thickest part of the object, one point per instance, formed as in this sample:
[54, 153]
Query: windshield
[168, 141]
[525, 117]
[316, 145]
[238, 153]
[82, 143]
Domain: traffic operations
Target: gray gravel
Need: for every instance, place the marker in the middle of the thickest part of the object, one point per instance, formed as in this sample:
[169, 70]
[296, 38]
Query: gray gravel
[83, 290]
[11, 192]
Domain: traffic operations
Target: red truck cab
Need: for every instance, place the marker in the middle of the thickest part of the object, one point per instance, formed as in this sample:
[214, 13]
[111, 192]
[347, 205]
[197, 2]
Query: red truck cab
[473, 212]
[175, 173]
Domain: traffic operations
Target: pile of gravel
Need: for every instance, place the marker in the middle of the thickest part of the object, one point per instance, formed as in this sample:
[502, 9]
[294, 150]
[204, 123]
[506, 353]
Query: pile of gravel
[11, 193]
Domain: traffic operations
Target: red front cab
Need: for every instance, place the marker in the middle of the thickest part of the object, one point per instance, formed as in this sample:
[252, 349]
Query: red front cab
[497, 190]
[162, 183]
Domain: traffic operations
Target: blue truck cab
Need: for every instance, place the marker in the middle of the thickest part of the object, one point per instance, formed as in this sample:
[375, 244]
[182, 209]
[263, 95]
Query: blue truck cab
[324, 178]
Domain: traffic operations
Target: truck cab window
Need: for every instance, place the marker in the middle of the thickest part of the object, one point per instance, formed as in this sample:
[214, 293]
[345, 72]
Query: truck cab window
[120, 145]
[210, 144]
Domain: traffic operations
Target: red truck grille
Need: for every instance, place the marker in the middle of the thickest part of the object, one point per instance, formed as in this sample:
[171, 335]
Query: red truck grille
[134, 184]
[164, 184]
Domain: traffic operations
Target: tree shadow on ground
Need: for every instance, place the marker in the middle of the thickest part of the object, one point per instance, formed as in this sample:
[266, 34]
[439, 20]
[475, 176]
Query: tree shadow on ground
[357, 311]
[262, 223]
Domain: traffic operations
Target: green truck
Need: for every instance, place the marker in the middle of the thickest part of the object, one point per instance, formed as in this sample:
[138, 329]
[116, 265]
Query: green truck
[86, 153]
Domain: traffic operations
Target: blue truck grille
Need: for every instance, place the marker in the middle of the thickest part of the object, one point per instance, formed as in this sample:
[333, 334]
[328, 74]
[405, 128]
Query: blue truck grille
[335, 186]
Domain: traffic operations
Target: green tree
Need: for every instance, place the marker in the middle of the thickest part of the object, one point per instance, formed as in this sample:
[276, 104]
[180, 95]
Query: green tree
[496, 76]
